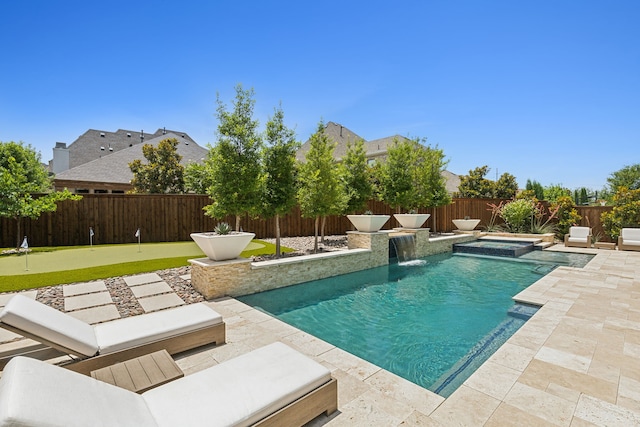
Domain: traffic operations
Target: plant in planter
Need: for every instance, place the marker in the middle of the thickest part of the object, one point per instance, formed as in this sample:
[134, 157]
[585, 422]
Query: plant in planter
[368, 222]
[412, 219]
[223, 244]
[466, 224]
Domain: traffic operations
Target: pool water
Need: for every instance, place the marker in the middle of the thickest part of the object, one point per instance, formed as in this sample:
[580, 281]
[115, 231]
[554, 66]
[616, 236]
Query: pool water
[432, 321]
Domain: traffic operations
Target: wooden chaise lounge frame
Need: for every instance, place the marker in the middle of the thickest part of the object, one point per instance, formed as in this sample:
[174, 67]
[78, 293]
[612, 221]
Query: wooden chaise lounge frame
[215, 334]
[323, 400]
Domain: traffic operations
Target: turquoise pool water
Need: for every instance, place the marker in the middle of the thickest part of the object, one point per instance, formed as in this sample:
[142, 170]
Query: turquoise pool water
[432, 321]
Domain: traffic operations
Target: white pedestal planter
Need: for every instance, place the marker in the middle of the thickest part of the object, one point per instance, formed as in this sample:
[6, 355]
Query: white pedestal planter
[466, 224]
[411, 220]
[222, 247]
[368, 223]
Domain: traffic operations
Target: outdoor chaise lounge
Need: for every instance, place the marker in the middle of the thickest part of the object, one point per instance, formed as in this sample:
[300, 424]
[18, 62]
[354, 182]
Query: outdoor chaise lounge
[271, 386]
[578, 237]
[95, 346]
[629, 239]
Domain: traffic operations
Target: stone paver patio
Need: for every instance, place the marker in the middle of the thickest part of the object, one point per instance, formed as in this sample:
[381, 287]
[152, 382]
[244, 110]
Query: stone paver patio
[575, 363]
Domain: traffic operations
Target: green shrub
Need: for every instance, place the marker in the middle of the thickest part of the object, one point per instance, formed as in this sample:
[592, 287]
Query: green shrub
[567, 215]
[518, 215]
[625, 212]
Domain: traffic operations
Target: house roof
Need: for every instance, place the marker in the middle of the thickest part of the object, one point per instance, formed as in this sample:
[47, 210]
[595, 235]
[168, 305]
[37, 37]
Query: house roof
[114, 167]
[337, 133]
[95, 144]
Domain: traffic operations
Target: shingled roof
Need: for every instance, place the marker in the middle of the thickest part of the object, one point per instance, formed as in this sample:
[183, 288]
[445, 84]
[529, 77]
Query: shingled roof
[114, 167]
[337, 133]
[95, 144]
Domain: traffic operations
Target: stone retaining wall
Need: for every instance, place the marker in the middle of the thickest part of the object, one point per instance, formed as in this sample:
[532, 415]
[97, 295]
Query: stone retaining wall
[215, 279]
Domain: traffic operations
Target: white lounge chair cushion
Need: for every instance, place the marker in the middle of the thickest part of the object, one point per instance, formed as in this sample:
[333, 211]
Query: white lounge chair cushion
[50, 324]
[579, 234]
[630, 236]
[137, 330]
[34, 393]
[239, 391]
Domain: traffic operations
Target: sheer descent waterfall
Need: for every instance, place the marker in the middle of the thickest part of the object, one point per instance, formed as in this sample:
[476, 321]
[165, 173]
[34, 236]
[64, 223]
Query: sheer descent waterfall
[402, 247]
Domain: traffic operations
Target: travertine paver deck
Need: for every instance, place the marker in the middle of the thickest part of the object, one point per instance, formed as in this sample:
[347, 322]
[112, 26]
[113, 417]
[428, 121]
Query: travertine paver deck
[575, 363]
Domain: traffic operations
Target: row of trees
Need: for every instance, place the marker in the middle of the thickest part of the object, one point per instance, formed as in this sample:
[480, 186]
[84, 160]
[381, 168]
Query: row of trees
[244, 176]
[248, 172]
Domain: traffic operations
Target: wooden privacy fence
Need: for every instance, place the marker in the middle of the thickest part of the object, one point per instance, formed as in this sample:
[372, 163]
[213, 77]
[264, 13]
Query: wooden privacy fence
[166, 218]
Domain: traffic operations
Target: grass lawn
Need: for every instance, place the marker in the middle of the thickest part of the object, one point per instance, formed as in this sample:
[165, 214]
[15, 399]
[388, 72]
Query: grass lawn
[54, 266]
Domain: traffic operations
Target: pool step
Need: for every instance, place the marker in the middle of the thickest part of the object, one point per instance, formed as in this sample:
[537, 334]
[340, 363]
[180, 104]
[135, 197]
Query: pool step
[543, 245]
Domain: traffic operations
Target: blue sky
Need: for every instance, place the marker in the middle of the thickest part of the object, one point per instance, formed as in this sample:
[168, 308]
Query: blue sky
[545, 90]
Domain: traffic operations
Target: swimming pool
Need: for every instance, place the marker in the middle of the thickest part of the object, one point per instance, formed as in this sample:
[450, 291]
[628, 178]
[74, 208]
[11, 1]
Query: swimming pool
[432, 321]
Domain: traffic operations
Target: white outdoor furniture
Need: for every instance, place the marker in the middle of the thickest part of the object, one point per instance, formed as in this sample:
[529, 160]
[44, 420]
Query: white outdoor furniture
[629, 239]
[578, 237]
[175, 330]
[271, 386]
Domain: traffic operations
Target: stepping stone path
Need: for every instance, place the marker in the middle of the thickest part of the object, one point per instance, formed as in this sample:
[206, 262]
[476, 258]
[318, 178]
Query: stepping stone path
[105, 300]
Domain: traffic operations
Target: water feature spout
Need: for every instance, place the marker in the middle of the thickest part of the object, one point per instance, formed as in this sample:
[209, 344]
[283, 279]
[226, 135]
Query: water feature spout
[402, 247]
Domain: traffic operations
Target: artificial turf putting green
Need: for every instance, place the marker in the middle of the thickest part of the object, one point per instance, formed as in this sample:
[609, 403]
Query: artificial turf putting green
[80, 264]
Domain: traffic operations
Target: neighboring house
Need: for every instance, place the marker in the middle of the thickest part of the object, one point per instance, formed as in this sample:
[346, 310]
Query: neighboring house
[95, 144]
[108, 171]
[376, 150]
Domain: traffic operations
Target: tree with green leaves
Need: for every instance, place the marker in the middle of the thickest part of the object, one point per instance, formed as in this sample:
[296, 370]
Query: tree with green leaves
[506, 187]
[431, 164]
[567, 215]
[234, 162]
[554, 192]
[628, 177]
[163, 173]
[25, 186]
[536, 187]
[279, 180]
[320, 191]
[397, 177]
[196, 178]
[411, 178]
[625, 212]
[475, 185]
[356, 176]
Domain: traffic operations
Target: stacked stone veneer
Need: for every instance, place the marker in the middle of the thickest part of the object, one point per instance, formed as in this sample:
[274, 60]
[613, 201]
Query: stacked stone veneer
[215, 279]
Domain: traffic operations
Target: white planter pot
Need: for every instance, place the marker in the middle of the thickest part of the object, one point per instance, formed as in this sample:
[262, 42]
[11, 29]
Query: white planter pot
[368, 223]
[411, 220]
[222, 247]
[466, 224]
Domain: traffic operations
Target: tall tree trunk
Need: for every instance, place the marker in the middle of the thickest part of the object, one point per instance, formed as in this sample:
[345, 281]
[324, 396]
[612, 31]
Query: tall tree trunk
[315, 242]
[324, 221]
[433, 219]
[277, 219]
[18, 233]
[237, 222]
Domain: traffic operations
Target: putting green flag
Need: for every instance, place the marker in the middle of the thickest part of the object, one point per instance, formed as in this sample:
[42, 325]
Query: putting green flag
[25, 244]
